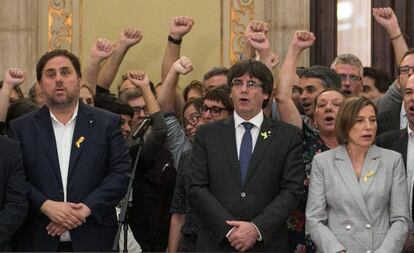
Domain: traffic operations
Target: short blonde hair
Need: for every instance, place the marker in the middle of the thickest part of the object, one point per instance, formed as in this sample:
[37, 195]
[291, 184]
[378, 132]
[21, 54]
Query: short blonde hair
[347, 114]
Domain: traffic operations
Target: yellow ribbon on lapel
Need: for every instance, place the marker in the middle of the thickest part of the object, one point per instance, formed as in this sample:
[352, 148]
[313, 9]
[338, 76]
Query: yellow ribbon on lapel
[369, 174]
[265, 135]
[79, 141]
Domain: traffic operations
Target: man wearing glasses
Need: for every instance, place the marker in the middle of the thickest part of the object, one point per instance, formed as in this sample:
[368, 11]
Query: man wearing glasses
[216, 104]
[350, 70]
[247, 170]
[135, 99]
[395, 117]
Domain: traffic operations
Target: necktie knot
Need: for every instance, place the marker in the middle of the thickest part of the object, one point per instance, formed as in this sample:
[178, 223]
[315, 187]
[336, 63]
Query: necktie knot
[247, 126]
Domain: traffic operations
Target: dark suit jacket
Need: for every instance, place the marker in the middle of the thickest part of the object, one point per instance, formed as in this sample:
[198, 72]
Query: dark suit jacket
[396, 140]
[13, 200]
[97, 176]
[272, 189]
[388, 120]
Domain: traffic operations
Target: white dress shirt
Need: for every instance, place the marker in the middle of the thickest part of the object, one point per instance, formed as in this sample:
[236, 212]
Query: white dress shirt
[410, 166]
[256, 121]
[63, 137]
[403, 117]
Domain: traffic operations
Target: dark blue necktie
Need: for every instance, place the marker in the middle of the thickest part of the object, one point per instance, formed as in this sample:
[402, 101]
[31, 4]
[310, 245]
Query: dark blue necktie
[245, 150]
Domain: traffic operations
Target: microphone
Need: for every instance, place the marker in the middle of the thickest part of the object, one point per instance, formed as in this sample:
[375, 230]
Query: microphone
[142, 128]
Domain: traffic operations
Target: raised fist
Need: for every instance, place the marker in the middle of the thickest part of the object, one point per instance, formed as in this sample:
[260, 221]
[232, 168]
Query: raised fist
[303, 39]
[14, 77]
[180, 26]
[183, 65]
[102, 49]
[259, 41]
[272, 60]
[387, 19]
[256, 26]
[138, 78]
[130, 36]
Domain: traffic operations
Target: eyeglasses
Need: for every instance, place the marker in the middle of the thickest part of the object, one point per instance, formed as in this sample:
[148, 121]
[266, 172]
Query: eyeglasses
[193, 119]
[214, 110]
[249, 84]
[352, 78]
[406, 69]
[139, 109]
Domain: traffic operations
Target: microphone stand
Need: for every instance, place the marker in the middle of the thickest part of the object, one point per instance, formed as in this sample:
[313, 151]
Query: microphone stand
[122, 223]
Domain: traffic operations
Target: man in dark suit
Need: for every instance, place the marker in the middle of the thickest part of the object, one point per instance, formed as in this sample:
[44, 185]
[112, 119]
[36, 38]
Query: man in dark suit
[13, 201]
[402, 141]
[247, 170]
[76, 164]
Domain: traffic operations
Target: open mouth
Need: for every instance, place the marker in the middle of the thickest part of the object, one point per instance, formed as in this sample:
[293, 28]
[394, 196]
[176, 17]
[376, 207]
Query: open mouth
[411, 109]
[306, 106]
[367, 136]
[347, 92]
[243, 100]
[329, 119]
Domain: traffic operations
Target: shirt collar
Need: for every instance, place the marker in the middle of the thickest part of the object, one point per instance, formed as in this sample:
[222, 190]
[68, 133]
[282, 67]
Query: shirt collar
[75, 113]
[410, 132]
[403, 112]
[256, 120]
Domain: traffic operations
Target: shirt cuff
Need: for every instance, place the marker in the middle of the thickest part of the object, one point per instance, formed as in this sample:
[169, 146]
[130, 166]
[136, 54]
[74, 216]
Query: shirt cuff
[258, 231]
[228, 233]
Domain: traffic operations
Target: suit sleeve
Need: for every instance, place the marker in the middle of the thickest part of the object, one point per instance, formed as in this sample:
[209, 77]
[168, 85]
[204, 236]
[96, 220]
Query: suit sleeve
[275, 214]
[15, 204]
[316, 212]
[154, 141]
[208, 208]
[391, 100]
[103, 199]
[398, 209]
[36, 197]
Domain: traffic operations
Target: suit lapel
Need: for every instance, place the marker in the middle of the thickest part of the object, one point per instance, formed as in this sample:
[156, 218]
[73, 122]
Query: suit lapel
[44, 130]
[81, 134]
[229, 140]
[369, 171]
[261, 145]
[344, 167]
[403, 143]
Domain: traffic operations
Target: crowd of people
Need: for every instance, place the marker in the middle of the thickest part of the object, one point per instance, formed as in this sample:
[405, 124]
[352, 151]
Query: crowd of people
[311, 159]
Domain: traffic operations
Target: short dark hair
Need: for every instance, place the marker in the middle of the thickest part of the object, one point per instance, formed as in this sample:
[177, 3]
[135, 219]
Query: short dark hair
[196, 102]
[193, 85]
[115, 105]
[215, 71]
[220, 94]
[407, 53]
[329, 78]
[255, 69]
[54, 53]
[347, 114]
[381, 79]
[300, 70]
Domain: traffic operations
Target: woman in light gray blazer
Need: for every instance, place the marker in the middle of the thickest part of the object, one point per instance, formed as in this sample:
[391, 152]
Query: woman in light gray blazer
[358, 198]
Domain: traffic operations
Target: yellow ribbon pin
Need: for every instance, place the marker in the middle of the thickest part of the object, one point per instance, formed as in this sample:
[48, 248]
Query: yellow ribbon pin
[79, 141]
[369, 174]
[265, 135]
